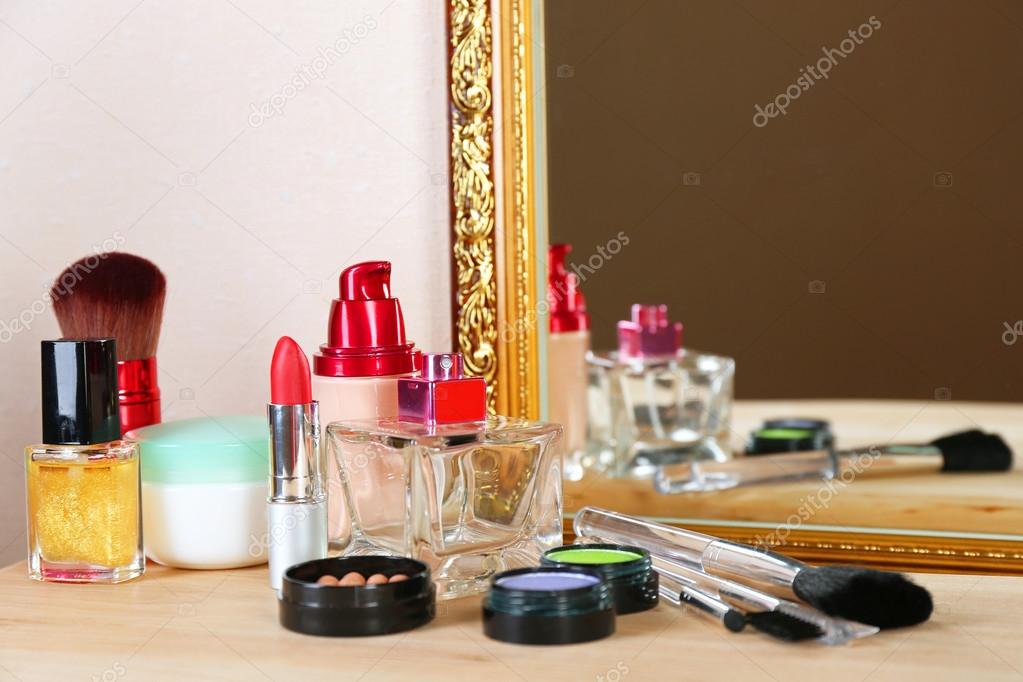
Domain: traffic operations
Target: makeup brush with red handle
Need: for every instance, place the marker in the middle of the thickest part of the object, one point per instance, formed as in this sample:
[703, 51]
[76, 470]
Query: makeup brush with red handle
[121, 296]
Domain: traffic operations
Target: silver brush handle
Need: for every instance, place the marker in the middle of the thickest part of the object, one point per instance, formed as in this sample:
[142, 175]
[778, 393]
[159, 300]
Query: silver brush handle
[767, 571]
[734, 593]
[706, 476]
[681, 594]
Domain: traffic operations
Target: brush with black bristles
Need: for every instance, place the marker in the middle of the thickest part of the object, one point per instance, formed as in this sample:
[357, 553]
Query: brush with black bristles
[737, 605]
[879, 598]
[120, 296]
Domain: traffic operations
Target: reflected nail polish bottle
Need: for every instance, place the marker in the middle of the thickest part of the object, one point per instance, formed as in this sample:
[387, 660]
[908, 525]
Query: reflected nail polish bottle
[356, 373]
[84, 515]
[476, 496]
[652, 402]
[567, 345]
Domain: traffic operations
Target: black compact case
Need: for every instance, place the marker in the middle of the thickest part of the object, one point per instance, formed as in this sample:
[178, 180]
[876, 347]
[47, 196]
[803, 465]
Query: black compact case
[635, 585]
[556, 616]
[357, 611]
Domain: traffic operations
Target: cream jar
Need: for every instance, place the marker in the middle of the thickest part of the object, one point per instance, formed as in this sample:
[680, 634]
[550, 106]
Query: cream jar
[204, 491]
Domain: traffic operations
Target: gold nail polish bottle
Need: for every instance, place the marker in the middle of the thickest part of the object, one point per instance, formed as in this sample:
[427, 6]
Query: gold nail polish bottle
[84, 510]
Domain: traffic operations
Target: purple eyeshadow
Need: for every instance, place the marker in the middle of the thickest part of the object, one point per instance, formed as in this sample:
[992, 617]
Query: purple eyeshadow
[548, 580]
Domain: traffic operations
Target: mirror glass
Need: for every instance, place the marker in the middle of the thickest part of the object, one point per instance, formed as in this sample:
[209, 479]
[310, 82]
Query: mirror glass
[822, 195]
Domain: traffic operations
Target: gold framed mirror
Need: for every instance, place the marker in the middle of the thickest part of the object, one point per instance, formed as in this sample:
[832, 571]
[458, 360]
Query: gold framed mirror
[498, 99]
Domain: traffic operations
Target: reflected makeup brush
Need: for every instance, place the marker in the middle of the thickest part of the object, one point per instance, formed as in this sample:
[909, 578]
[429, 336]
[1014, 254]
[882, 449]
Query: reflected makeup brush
[118, 295]
[966, 451]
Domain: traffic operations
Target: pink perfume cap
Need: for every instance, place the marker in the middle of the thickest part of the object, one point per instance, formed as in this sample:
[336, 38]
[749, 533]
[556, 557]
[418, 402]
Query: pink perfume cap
[649, 333]
[442, 394]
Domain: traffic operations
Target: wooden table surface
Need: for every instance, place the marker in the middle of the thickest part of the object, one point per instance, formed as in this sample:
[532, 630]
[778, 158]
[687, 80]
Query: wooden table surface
[222, 625]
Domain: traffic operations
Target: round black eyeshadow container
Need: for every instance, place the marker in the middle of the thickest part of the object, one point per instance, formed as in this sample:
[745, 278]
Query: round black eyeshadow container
[628, 570]
[770, 438]
[356, 611]
[548, 605]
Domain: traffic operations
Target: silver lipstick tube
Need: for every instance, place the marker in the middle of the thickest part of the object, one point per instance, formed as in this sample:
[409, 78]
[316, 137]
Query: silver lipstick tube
[297, 502]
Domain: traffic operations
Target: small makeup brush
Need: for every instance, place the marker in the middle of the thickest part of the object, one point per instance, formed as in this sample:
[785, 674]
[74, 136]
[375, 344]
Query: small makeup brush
[966, 451]
[121, 296]
[878, 598]
[779, 618]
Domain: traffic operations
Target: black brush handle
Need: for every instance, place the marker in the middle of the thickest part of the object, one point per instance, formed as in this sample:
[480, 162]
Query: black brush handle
[715, 608]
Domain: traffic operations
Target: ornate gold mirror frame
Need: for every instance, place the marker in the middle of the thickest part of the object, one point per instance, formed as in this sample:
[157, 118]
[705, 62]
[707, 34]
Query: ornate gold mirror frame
[499, 233]
[495, 215]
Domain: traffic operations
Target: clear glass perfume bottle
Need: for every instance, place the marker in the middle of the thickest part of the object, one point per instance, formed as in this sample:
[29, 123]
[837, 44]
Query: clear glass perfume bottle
[653, 403]
[474, 496]
[84, 515]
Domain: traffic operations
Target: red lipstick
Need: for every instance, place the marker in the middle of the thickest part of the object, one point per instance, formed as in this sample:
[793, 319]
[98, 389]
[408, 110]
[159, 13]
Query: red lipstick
[297, 504]
[290, 382]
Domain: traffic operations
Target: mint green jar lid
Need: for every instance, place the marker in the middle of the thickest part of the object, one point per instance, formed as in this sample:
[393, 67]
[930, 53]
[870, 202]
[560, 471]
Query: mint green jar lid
[205, 450]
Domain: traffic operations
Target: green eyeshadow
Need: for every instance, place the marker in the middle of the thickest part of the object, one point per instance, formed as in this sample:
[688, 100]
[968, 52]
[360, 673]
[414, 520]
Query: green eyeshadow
[593, 557]
[785, 434]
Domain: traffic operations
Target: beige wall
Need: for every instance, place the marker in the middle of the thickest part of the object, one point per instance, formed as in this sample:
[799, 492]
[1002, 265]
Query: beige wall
[894, 183]
[131, 123]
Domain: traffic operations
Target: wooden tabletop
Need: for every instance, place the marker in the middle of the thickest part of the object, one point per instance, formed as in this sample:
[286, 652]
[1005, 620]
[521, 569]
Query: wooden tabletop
[222, 625]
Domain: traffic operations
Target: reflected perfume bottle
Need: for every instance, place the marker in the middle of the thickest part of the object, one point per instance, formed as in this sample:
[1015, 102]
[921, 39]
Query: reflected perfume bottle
[84, 515]
[476, 495]
[653, 403]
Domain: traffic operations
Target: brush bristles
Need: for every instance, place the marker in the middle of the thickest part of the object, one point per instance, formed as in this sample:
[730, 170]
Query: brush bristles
[783, 626]
[885, 600]
[114, 295]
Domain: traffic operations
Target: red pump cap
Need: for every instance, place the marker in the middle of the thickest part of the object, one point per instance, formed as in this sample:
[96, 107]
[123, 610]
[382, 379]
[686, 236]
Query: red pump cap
[567, 304]
[366, 331]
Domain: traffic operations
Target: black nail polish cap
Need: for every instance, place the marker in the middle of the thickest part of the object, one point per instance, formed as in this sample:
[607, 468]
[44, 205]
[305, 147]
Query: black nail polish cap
[79, 399]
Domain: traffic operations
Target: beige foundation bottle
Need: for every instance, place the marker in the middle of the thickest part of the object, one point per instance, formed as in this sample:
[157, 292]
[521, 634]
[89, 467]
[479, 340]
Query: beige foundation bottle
[355, 374]
[567, 345]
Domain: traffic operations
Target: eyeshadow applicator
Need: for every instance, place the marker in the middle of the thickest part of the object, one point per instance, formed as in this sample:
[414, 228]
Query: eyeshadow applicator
[680, 594]
[779, 618]
[879, 598]
[966, 451]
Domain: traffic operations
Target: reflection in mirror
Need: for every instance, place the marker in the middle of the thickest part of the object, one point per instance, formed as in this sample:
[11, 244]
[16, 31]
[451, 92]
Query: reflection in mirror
[744, 199]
